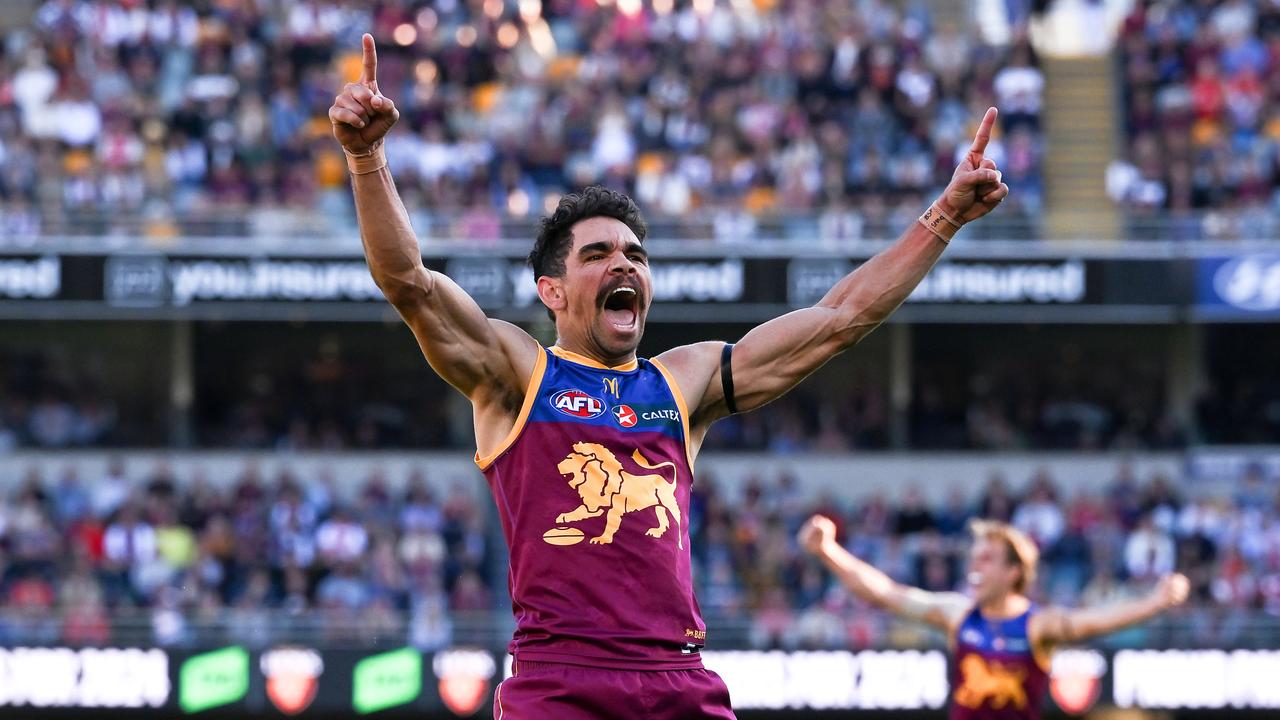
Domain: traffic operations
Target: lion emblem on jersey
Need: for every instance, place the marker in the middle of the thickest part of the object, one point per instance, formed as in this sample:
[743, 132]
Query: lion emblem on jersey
[604, 485]
[995, 683]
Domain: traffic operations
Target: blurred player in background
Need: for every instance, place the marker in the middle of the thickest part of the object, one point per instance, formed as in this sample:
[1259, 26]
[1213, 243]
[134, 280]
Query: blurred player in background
[586, 436]
[1002, 641]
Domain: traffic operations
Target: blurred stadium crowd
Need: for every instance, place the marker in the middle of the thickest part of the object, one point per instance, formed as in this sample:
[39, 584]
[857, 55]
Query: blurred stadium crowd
[158, 118]
[192, 553]
[1096, 548]
[85, 559]
[1202, 102]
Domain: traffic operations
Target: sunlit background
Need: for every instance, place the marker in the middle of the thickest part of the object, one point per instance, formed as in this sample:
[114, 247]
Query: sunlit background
[231, 483]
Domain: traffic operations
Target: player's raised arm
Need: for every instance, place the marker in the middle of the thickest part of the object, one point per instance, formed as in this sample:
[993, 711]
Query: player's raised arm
[775, 356]
[1058, 625]
[941, 610]
[471, 352]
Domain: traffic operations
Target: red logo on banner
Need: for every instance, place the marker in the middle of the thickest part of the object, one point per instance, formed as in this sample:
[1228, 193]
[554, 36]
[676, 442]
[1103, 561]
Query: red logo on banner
[463, 695]
[464, 679]
[293, 675]
[1076, 681]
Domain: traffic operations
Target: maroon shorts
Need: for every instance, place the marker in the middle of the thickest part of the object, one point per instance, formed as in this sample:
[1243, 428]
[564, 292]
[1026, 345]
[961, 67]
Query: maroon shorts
[544, 691]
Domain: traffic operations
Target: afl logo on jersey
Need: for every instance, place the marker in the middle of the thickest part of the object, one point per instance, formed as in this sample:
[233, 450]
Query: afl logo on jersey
[625, 416]
[576, 403]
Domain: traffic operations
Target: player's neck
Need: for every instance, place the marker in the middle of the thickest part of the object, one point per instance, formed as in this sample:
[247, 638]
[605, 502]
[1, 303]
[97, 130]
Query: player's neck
[592, 352]
[1006, 606]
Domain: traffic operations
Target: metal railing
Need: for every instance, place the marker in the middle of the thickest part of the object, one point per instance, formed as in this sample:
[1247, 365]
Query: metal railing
[291, 230]
[723, 225]
[1195, 627]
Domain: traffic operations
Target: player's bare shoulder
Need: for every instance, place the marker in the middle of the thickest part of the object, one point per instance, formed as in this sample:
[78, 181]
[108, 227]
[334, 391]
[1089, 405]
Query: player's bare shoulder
[508, 385]
[696, 368]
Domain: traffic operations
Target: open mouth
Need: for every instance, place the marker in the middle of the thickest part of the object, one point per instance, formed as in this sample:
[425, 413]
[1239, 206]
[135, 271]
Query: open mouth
[621, 308]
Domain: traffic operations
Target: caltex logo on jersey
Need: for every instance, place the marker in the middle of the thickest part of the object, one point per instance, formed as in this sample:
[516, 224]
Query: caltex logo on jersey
[625, 416]
[577, 404]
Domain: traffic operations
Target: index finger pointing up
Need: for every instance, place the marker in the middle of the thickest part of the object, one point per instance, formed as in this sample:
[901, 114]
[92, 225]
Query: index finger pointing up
[984, 134]
[370, 73]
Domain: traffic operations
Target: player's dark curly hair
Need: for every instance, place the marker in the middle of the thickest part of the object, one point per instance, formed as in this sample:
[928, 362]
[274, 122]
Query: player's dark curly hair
[555, 237]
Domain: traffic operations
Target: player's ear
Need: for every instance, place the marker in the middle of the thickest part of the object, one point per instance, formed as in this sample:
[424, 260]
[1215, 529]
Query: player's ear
[551, 292]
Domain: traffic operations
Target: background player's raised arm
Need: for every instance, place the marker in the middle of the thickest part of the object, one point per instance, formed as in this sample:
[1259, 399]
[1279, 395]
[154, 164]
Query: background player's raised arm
[1059, 625]
[942, 610]
[774, 357]
[476, 355]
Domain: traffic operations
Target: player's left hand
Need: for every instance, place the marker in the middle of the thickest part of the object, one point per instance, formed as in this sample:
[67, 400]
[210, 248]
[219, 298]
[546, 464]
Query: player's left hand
[976, 187]
[1172, 590]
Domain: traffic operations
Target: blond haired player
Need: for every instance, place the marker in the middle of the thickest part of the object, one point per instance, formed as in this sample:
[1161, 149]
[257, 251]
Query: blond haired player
[1001, 640]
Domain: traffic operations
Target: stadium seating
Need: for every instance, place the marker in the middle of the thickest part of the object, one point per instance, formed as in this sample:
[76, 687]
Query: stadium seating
[156, 557]
[802, 119]
[1201, 129]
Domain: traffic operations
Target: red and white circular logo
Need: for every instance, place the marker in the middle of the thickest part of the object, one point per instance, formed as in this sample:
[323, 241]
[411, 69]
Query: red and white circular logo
[576, 403]
[625, 416]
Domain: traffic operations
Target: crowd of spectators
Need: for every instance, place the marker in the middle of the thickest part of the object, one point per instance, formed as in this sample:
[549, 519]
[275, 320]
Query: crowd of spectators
[172, 553]
[1097, 547]
[1202, 102]
[353, 560]
[157, 117]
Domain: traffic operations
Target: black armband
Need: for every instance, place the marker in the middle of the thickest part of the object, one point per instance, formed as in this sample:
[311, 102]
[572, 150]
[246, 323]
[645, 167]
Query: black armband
[726, 377]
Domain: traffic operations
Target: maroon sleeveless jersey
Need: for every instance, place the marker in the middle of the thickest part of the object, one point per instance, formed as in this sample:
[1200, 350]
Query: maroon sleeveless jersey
[592, 486]
[997, 673]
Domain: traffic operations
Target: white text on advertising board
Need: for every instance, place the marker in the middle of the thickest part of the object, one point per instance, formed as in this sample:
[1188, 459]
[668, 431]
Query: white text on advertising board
[41, 279]
[830, 680]
[194, 280]
[1197, 679]
[88, 678]
[1062, 282]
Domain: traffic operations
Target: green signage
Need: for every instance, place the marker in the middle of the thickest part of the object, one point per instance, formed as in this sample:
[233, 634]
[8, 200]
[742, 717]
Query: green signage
[214, 678]
[387, 680]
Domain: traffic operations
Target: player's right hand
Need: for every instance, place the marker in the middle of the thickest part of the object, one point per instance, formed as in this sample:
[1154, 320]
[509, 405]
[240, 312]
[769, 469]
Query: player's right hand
[1172, 590]
[361, 115]
[816, 533]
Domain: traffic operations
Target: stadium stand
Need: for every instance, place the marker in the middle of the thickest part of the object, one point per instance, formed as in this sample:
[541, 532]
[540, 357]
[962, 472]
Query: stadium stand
[1202, 125]
[154, 557]
[829, 119]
